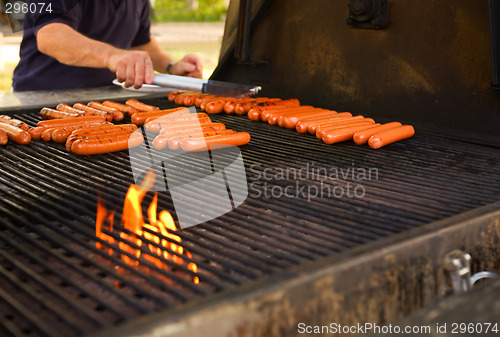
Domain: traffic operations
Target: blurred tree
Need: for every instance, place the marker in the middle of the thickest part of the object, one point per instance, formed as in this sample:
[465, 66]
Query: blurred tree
[189, 10]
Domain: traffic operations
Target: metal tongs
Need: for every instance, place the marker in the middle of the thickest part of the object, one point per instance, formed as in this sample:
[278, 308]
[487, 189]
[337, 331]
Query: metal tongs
[218, 88]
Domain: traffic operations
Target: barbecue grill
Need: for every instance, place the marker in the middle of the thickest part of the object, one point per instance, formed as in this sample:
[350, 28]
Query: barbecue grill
[328, 233]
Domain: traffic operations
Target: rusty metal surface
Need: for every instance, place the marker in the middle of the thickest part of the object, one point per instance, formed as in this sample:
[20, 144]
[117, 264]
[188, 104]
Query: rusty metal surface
[475, 311]
[430, 67]
[377, 283]
[11, 101]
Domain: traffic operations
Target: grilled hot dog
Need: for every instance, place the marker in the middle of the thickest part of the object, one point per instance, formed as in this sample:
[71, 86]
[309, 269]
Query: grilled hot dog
[362, 137]
[390, 136]
[14, 122]
[141, 106]
[342, 134]
[107, 144]
[215, 142]
[94, 112]
[15, 134]
[3, 138]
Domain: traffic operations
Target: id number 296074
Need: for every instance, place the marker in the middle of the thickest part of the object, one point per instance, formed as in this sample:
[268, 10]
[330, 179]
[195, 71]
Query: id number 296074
[474, 328]
[19, 7]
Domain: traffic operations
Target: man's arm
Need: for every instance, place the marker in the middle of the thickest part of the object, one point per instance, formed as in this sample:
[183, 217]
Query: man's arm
[58, 40]
[189, 65]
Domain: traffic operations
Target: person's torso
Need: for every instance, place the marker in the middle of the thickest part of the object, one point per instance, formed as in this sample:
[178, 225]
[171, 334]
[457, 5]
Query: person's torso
[116, 22]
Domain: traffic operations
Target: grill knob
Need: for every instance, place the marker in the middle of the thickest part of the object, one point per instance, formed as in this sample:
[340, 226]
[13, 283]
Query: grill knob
[360, 7]
[362, 10]
[368, 14]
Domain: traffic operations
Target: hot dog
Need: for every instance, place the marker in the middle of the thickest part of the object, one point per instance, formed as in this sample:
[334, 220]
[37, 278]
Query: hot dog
[202, 100]
[71, 121]
[66, 108]
[103, 130]
[3, 138]
[313, 127]
[255, 113]
[36, 133]
[273, 118]
[188, 127]
[14, 122]
[321, 130]
[155, 126]
[117, 114]
[107, 144]
[198, 100]
[257, 109]
[140, 117]
[190, 99]
[98, 135]
[60, 135]
[346, 133]
[94, 112]
[161, 141]
[174, 143]
[303, 124]
[215, 142]
[290, 121]
[185, 98]
[230, 105]
[126, 109]
[362, 137]
[242, 108]
[275, 113]
[48, 113]
[47, 134]
[286, 102]
[171, 95]
[141, 106]
[207, 100]
[87, 131]
[102, 107]
[15, 134]
[177, 117]
[390, 136]
[179, 98]
[57, 131]
[215, 107]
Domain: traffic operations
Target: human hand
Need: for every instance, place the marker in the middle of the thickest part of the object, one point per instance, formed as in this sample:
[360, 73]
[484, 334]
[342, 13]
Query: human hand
[189, 65]
[134, 67]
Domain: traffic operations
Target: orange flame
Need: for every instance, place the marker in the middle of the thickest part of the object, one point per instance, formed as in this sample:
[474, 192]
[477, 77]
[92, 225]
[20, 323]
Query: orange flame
[133, 221]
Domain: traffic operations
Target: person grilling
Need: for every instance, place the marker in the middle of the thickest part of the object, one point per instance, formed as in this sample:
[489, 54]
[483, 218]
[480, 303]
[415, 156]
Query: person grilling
[87, 43]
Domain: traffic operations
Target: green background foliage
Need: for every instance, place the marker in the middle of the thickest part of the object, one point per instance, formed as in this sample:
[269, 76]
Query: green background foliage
[189, 10]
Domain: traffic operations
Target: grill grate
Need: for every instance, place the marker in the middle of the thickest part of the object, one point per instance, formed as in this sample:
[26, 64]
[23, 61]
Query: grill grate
[55, 282]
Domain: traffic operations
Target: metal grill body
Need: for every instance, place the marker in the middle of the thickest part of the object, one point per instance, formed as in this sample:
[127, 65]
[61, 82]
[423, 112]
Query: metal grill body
[55, 282]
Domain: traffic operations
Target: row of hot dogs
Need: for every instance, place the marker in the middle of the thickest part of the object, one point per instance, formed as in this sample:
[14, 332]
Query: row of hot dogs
[60, 122]
[179, 129]
[328, 125]
[88, 129]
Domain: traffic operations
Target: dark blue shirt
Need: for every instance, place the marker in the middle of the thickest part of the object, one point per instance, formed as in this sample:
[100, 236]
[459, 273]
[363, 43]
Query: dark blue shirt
[121, 23]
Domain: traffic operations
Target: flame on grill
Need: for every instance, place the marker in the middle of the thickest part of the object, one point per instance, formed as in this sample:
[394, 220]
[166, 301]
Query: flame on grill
[133, 220]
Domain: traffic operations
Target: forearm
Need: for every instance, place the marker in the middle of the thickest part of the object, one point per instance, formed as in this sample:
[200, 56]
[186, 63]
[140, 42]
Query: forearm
[159, 57]
[61, 41]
